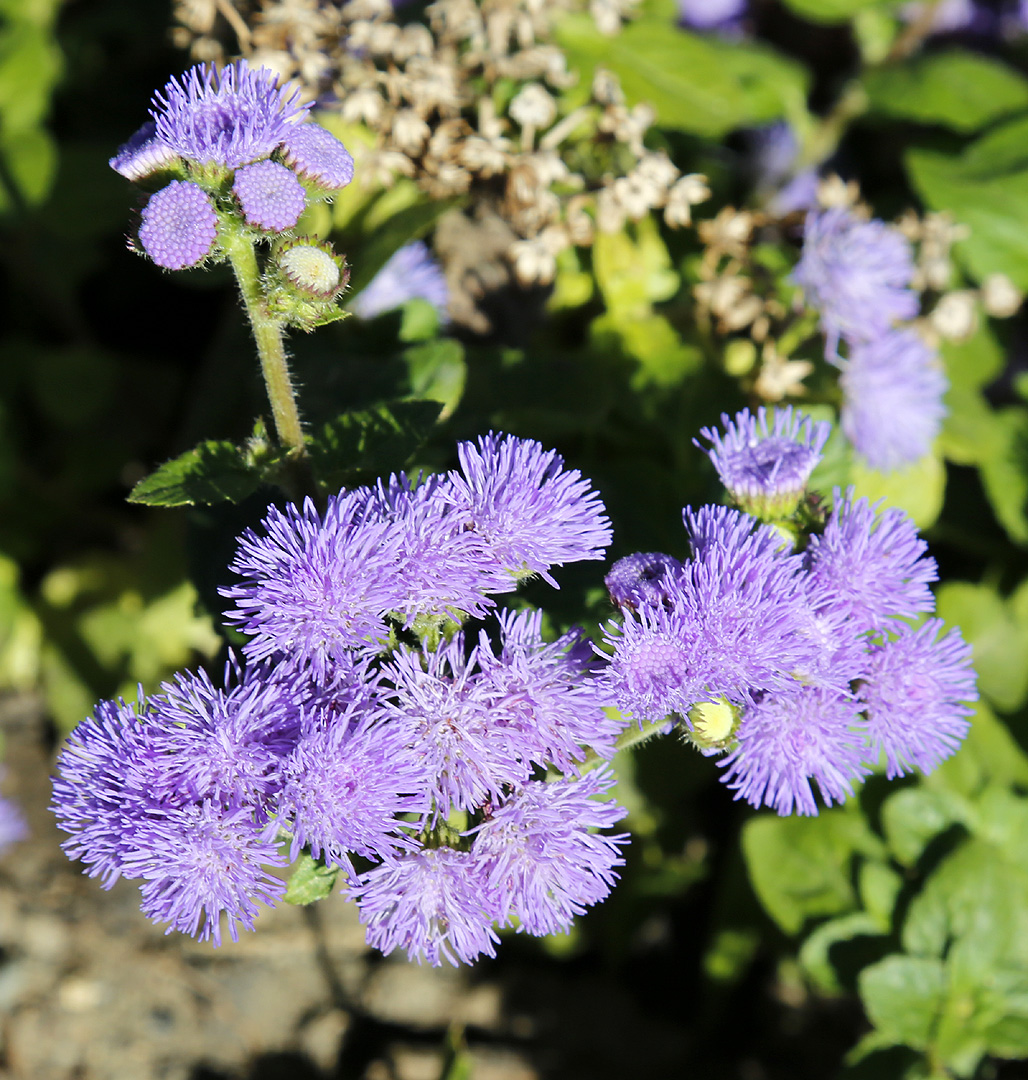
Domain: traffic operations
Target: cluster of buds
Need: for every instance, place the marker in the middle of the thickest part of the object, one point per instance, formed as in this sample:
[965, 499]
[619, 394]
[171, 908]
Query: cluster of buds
[231, 157]
[470, 105]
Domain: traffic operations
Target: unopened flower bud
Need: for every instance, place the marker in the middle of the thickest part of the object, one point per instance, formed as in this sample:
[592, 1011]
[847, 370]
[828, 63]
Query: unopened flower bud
[313, 268]
[179, 226]
[713, 723]
[270, 196]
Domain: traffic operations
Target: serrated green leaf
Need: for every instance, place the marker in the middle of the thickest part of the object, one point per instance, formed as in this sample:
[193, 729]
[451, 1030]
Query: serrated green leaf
[957, 89]
[903, 996]
[213, 472]
[310, 881]
[366, 443]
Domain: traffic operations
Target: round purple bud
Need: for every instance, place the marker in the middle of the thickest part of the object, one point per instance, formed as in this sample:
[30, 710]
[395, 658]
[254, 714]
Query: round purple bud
[179, 226]
[641, 579]
[317, 155]
[270, 195]
[143, 154]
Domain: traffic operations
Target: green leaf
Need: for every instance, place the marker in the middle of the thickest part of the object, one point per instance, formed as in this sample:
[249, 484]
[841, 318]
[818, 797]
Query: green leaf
[213, 472]
[903, 996]
[799, 867]
[30, 63]
[310, 881]
[370, 442]
[437, 372]
[918, 489]
[29, 161]
[961, 90]
[998, 634]
[829, 11]
[695, 83]
[986, 188]
[814, 955]
[1004, 471]
[990, 754]
[911, 817]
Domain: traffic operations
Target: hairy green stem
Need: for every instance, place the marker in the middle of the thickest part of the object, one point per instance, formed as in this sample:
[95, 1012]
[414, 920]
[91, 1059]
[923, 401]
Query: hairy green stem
[633, 735]
[267, 333]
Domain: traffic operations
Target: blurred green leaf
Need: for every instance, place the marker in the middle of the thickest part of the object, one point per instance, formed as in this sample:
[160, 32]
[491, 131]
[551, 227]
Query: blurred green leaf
[903, 996]
[911, 817]
[958, 89]
[986, 188]
[998, 634]
[814, 954]
[800, 866]
[437, 372]
[697, 84]
[918, 489]
[829, 11]
[372, 442]
[310, 881]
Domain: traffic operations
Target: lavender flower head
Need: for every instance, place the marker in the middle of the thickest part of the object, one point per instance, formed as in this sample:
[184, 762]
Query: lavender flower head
[893, 390]
[857, 274]
[410, 274]
[317, 155]
[432, 904]
[766, 468]
[540, 856]
[787, 740]
[873, 566]
[229, 118]
[915, 692]
[527, 510]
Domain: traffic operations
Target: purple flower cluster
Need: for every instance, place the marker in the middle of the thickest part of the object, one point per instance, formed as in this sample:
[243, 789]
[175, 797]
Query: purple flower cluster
[800, 667]
[858, 275]
[210, 127]
[720, 15]
[369, 730]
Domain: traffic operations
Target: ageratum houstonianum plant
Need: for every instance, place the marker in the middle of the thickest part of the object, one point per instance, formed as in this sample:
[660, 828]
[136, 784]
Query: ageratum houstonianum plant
[390, 724]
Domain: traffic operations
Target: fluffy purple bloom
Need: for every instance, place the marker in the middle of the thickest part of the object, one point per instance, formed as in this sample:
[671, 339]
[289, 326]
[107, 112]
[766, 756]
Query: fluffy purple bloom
[315, 586]
[433, 904]
[711, 14]
[346, 782]
[143, 155]
[198, 862]
[410, 274]
[857, 274]
[317, 155]
[786, 740]
[106, 773]
[179, 226]
[734, 622]
[873, 566]
[270, 195]
[223, 745]
[467, 746]
[549, 691]
[948, 16]
[893, 390]
[915, 692]
[540, 856]
[440, 564]
[527, 511]
[229, 118]
[13, 826]
[640, 579]
[766, 468]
